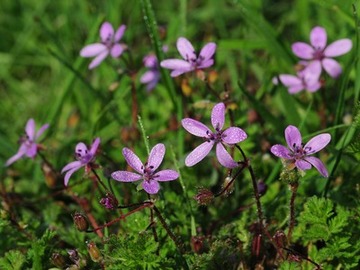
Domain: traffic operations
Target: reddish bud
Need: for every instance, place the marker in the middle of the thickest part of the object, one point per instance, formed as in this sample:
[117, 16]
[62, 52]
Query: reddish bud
[198, 244]
[109, 202]
[204, 196]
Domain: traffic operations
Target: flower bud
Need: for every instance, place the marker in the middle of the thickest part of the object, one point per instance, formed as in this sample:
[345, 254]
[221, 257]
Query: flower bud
[280, 239]
[80, 222]
[262, 187]
[290, 176]
[198, 244]
[204, 196]
[94, 252]
[110, 202]
[58, 260]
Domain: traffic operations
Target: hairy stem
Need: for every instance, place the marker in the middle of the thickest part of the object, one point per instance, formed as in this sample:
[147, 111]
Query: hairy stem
[293, 188]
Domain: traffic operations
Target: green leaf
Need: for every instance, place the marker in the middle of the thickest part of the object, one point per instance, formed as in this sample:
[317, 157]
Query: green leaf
[13, 259]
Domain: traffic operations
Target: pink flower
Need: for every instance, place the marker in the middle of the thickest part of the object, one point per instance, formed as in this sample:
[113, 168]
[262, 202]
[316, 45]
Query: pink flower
[318, 51]
[28, 146]
[219, 137]
[85, 158]
[299, 155]
[147, 171]
[109, 45]
[191, 60]
[152, 76]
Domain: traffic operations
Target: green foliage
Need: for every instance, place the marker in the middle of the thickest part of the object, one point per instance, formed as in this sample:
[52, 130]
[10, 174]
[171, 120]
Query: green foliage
[40, 250]
[13, 260]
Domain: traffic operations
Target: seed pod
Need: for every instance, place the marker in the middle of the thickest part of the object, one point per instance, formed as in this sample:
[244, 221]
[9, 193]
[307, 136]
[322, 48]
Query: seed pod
[80, 222]
[58, 260]
[94, 252]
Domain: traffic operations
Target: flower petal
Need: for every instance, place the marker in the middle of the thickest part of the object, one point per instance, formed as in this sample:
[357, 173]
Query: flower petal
[207, 51]
[338, 48]
[224, 157]
[124, 176]
[233, 135]
[313, 87]
[18, 155]
[176, 64]
[30, 129]
[218, 116]
[302, 164]
[133, 160]
[318, 37]
[94, 146]
[303, 50]
[205, 64]
[119, 33]
[81, 150]
[92, 50]
[290, 80]
[317, 143]
[106, 32]
[293, 137]
[41, 131]
[156, 156]
[68, 175]
[98, 59]
[178, 72]
[195, 127]
[332, 67]
[185, 49]
[319, 165]
[280, 151]
[166, 175]
[312, 71]
[148, 76]
[295, 89]
[75, 164]
[116, 50]
[198, 153]
[31, 150]
[151, 187]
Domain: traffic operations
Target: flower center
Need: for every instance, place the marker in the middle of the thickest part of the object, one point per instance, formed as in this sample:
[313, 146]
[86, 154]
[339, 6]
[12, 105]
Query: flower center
[83, 155]
[216, 136]
[148, 172]
[109, 42]
[318, 54]
[299, 152]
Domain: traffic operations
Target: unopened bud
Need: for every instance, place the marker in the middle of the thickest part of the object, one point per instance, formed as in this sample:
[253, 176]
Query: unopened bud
[58, 260]
[110, 202]
[94, 252]
[290, 176]
[262, 187]
[80, 222]
[198, 244]
[280, 239]
[204, 196]
[228, 185]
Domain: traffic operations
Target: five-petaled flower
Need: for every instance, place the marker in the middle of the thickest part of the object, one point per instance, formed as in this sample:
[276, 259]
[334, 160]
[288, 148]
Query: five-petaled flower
[191, 60]
[152, 76]
[320, 54]
[85, 158]
[298, 154]
[219, 137]
[28, 146]
[109, 45]
[146, 172]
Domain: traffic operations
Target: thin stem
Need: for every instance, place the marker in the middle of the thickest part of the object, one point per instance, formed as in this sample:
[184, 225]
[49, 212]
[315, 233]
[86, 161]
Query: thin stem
[231, 181]
[293, 188]
[153, 229]
[99, 179]
[133, 205]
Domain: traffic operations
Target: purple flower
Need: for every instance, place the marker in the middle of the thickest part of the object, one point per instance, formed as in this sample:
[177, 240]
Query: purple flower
[306, 79]
[109, 45]
[299, 155]
[146, 172]
[191, 60]
[319, 52]
[28, 146]
[229, 136]
[84, 157]
[152, 76]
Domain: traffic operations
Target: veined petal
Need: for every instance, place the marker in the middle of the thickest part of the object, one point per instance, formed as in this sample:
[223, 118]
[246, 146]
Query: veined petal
[332, 67]
[31, 150]
[224, 157]
[106, 32]
[185, 49]
[94, 146]
[30, 129]
[198, 153]
[318, 164]
[281, 151]
[72, 165]
[166, 175]
[303, 50]
[119, 33]
[116, 50]
[178, 72]
[318, 37]
[293, 137]
[92, 50]
[124, 176]
[317, 143]
[207, 51]
[176, 64]
[151, 187]
[195, 127]
[156, 156]
[218, 116]
[302, 164]
[338, 48]
[290, 80]
[18, 155]
[98, 59]
[68, 175]
[233, 135]
[133, 160]
[205, 64]
[41, 131]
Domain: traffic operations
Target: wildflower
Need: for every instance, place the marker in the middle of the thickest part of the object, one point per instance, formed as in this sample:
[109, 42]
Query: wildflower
[307, 79]
[152, 76]
[109, 201]
[84, 157]
[220, 137]
[319, 52]
[191, 60]
[109, 45]
[299, 155]
[146, 172]
[28, 146]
